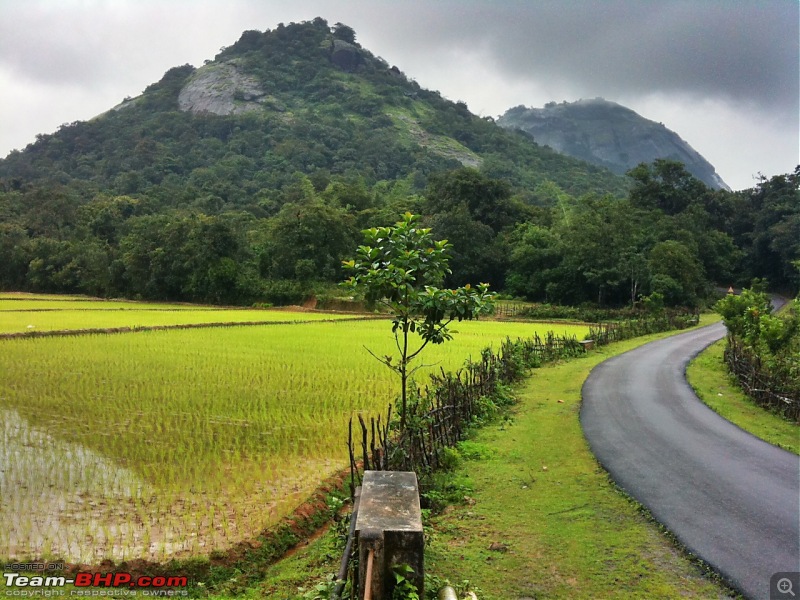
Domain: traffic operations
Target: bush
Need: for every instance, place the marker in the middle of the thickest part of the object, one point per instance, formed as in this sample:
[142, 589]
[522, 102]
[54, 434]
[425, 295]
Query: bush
[282, 292]
[763, 349]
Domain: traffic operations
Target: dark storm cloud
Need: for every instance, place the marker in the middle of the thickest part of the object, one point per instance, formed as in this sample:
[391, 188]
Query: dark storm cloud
[741, 51]
[722, 73]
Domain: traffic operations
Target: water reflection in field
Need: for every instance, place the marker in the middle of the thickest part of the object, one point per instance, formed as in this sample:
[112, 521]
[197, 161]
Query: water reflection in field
[61, 501]
[52, 491]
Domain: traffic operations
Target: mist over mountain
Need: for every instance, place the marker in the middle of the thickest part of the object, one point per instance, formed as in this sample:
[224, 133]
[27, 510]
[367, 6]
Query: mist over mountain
[607, 134]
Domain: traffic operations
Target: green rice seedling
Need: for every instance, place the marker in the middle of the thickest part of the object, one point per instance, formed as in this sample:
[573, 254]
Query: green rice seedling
[17, 321]
[214, 431]
[22, 300]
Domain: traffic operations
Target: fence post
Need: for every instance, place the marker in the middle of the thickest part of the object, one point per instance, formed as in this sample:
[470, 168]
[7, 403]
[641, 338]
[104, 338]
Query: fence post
[389, 527]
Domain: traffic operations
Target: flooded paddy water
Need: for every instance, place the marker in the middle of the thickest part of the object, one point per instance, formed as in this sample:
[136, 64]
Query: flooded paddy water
[64, 501]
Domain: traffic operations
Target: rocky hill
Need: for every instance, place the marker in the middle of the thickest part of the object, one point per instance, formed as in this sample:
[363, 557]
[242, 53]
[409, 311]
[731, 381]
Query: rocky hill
[250, 178]
[609, 135]
[302, 98]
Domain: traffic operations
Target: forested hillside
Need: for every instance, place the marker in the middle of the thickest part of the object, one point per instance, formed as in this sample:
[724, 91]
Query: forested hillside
[672, 235]
[248, 180]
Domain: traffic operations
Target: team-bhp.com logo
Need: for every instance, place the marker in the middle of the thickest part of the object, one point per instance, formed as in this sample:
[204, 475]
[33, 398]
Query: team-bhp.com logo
[93, 584]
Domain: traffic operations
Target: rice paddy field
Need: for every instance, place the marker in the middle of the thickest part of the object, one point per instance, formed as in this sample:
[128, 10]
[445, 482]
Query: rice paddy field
[156, 444]
[21, 313]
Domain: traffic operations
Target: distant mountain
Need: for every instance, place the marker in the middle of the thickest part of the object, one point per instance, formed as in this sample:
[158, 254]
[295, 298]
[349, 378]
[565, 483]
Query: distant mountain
[302, 98]
[249, 178]
[609, 135]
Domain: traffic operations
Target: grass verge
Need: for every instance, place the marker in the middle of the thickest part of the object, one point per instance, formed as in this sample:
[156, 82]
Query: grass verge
[533, 515]
[542, 519]
[713, 384]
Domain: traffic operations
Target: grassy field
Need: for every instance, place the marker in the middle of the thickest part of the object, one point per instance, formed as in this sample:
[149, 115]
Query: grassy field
[534, 515]
[175, 442]
[713, 384]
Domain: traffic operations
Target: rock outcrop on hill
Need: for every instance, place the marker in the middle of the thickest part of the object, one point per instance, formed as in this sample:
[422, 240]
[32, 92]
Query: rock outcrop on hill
[609, 135]
[221, 89]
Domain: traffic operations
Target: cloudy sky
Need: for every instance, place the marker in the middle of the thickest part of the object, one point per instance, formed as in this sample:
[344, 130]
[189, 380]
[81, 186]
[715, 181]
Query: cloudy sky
[723, 74]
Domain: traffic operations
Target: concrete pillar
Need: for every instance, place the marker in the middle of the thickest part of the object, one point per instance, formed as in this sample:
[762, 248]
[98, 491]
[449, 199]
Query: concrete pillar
[389, 522]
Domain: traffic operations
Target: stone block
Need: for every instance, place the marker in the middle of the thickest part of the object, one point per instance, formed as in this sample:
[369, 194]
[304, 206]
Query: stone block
[389, 522]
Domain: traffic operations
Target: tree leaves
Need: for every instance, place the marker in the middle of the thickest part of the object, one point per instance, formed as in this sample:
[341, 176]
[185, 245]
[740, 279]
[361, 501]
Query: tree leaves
[401, 268]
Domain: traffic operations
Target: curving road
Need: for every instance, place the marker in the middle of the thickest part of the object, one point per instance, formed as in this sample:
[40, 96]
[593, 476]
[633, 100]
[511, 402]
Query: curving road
[730, 498]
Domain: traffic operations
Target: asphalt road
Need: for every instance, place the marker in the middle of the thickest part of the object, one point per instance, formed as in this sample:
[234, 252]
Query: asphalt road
[730, 498]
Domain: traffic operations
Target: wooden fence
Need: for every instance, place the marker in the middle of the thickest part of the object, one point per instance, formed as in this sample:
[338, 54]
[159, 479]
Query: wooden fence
[508, 309]
[606, 333]
[441, 412]
[766, 387]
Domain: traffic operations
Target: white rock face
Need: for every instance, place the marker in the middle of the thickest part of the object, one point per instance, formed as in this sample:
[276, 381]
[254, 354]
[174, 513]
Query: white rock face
[221, 89]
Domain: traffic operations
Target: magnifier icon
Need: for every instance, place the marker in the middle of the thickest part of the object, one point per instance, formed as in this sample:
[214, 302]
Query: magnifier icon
[785, 586]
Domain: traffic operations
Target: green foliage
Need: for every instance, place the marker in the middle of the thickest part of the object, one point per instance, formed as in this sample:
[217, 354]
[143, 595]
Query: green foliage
[284, 292]
[665, 185]
[344, 33]
[471, 210]
[673, 236]
[772, 214]
[763, 349]
[307, 242]
[110, 206]
[404, 589]
[449, 459]
[472, 450]
[742, 312]
[322, 591]
[400, 268]
[749, 316]
[677, 274]
[485, 199]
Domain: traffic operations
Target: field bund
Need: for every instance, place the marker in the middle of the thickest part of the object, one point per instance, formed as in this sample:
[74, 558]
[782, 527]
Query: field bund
[156, 444]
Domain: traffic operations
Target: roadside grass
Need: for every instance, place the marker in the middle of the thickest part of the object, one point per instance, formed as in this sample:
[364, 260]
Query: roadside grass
[533, 514]
[540, 497]
[719, 390]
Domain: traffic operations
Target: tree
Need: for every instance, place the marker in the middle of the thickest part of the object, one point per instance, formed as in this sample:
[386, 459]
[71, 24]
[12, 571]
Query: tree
[400, 268]
[677, 273]
[665, 185]
[307, 242]
[487, 200]
[742, 313]
[597, 241]
[535, 255]
[749, 317]
[344, 33]
[775, 206]
[478, 253]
